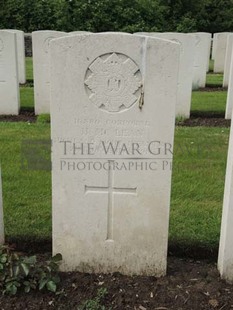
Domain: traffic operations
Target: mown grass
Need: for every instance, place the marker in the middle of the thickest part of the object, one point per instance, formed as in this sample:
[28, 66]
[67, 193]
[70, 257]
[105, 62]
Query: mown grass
[29, 69]
[197, 185]
[209, 101]
[27, 97]
[214, 80]
[26, 194]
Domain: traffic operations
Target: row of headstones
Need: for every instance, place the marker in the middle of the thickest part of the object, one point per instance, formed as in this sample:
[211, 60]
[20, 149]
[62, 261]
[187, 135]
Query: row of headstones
[194, 61]
[191, 65]
[111, 203]
[12, 70]
[221, 54]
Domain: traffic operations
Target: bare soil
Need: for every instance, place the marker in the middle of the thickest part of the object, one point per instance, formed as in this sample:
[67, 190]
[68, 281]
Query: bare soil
[24, 116]
[189, 284]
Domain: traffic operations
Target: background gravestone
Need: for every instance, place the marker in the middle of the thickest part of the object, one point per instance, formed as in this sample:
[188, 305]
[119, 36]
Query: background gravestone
[214, 43]
[20, 47]
[41, 72]
[9, 84]
[184, 92]
[207, 37]
[220, 51]
[227, 66]
[119, 89]
[200, 59]
[229, 104]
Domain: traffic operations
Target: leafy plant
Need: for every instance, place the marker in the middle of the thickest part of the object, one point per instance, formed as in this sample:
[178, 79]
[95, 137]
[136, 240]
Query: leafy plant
[95, 304]
[18, 271]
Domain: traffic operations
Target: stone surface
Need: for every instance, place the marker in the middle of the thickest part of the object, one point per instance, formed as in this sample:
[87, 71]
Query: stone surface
[9, 84]
[187, 45]
[202, 49]
[225, 258]
[41, 66]
[20, 55]
[2, 235]
[214, 41]
[111, 207]
[229, 104]
[227, 66]
[220, 52]
[208, 49]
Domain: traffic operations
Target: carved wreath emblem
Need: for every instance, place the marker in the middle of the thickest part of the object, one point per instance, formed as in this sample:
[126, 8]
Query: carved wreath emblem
[113, 82]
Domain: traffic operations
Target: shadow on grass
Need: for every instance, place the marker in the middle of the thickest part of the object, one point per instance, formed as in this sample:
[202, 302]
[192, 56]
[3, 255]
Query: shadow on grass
[183, 249]
[30, 245]
[207, 114]
[195, 250]
[24, 110]
[218, 86]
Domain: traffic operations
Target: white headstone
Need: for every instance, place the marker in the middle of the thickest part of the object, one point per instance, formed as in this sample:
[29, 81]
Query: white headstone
[119, 89]
[225, 256]
[41, 68]
[227, 66]
[187, 46]
[201, 62]
[2, 234]
[9, 84]
[20, 54]
[220, 51]
[214, 44]
[208, 37]
[229, 105]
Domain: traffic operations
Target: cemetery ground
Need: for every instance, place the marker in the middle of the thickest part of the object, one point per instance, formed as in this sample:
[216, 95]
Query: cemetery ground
[192, 281]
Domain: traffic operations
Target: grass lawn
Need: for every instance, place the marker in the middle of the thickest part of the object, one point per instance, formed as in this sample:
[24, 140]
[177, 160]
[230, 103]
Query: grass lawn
[27, 97]
[214, 80]
[197, 187]
[29, 68]
[209, 101]
[26, 194]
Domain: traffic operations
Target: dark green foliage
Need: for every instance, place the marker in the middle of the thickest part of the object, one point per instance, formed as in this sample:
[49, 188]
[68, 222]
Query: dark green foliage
[118, 15]
[30, 15]
[114, 15]
[17, 271]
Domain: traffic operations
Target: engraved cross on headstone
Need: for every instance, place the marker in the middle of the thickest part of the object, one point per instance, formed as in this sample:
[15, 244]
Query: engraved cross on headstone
[110, 190]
